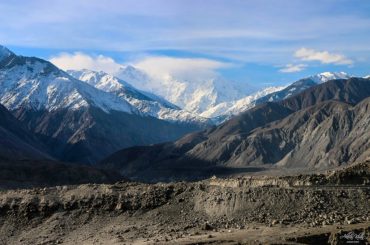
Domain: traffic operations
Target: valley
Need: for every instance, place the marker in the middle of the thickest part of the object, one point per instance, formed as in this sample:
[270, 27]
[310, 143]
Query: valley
[87, 157]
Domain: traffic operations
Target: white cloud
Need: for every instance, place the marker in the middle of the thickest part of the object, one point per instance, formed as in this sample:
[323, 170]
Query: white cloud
[159, 67]
[182, 68]
[324, 57]
[289, 68]
[78, 61]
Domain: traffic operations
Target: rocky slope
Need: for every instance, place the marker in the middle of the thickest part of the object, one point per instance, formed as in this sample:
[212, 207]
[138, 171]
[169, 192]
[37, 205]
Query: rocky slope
[217, 211]
[322, 127]
[322, 136]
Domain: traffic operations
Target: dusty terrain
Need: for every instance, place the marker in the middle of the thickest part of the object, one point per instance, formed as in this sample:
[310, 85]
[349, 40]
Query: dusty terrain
[305, 209]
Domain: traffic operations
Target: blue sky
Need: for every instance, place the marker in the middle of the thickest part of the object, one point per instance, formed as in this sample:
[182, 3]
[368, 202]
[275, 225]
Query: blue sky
[260, 42]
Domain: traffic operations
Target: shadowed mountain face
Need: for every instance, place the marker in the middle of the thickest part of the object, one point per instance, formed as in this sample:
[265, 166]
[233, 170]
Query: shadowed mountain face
[324, 135]
[16, 142]
[322, 127]
[24, 163]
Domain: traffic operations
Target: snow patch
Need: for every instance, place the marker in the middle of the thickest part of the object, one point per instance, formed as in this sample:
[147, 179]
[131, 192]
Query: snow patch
[327, 76]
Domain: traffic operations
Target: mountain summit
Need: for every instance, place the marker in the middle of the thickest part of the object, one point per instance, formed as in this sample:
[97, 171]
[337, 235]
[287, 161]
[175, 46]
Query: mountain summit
[4, 53]
[327, 76]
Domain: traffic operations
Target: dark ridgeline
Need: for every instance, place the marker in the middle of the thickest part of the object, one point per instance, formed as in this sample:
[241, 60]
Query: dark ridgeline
[293, 89]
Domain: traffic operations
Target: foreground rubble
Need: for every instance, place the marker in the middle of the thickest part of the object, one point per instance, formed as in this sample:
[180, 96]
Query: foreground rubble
[308, 209]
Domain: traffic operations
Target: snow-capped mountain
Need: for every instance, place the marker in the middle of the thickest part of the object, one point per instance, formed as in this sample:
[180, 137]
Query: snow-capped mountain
[301, 85]
[78, 122]
[196, 96]
[37, 84]
[231, 108]
[327, 76]
[217, 98]
[147, 104]
[224, 111]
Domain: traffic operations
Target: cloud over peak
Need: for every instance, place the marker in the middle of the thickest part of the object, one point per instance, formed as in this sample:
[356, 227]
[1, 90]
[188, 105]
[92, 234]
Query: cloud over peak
[184, 68]
[79, 61]
[324, 57]
[159, 67]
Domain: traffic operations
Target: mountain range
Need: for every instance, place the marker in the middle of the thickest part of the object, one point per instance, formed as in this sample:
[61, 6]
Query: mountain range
[322, 127]
[54, 120]
[226, 110]
[217, 98]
